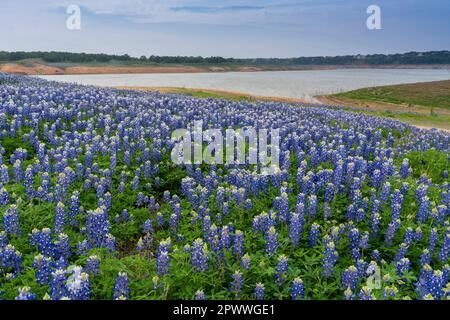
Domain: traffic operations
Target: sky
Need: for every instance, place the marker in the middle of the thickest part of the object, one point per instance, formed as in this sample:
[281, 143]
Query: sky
[233, 28]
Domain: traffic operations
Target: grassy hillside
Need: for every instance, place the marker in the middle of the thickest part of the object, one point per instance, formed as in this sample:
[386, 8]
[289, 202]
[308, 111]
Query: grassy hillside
[434, 94]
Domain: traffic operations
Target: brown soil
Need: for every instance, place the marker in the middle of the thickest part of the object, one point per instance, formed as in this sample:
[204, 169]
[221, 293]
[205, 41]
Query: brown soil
[36, 69]
[49, 70]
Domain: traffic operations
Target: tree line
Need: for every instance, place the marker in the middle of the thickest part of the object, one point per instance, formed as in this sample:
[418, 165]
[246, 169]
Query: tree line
[431, 57]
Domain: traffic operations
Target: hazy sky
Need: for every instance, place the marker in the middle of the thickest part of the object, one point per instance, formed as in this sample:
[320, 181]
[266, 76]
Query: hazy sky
[233, 28]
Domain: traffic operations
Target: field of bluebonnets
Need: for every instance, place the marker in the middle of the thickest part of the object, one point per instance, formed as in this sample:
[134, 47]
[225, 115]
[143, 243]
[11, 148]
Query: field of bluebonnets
[92, 207]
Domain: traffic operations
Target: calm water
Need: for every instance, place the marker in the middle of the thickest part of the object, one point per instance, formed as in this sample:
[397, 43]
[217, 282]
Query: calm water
[291, 84]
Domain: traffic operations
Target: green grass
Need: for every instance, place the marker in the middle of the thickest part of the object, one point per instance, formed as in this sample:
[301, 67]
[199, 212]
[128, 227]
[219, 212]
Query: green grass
[434, 94]
[415, 119]
[210, 94]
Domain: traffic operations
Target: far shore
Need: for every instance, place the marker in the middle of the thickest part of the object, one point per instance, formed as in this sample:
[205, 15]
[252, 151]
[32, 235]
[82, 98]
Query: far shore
[50, 69]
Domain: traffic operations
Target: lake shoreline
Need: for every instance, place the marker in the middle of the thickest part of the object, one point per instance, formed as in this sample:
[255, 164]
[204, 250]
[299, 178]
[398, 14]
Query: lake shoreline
[49, 69]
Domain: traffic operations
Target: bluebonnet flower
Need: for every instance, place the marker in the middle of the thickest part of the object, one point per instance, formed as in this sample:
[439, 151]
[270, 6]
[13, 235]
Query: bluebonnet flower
[159, 219]
[3, 240]
[281, 204]
[145, 243]
[248, 204]
[25, 294]
[329, 193]
[281, 270]
[92, 266]
[376, 179]
[390, 292]
[314, 234]
[58, 287]
[43, 266]
[364, 240]
[4, 174]
[61, 263]
[354, 237]
[107, 201]
[28, 182]
[405, 169]
[402, 266]
[225, 238]
[199, 255]
[121, 289]
[350, 278]
[4, 196]
[361, 266]
[330, 258]
[245, 261]
[375, 255]
[162, 258]
[424, 209]
[391, 231]
[97, 229]
[312, 206]
[60, 218]
[11, 223]
[78, 284]
[403, 248]
[110, 242]
[43, 240]
[10, 260]
[327, 211]
[366, 294]
[271, 241]
[82, 247]
[436, 283]
[17, 170]
[297, 289]
[445, 249]
[404, 188]
[385, 192]
[259, 291]
[295, 228]
[62, 246]
[173, 223]
[348, 294]
[425, 257]
[199, 295]
[236, 284]
[433, 240]
[238, 243]
[74, 208]
[147, 226]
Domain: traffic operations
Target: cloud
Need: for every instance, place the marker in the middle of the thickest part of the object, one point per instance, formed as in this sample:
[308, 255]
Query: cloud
[209, 9]
[233, 12]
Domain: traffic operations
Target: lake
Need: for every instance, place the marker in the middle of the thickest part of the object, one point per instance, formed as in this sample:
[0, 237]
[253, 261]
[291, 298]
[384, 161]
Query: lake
[290, 84]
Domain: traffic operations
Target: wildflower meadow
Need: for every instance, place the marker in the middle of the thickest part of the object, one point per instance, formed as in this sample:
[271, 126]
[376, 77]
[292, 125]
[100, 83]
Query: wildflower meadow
[92, 206]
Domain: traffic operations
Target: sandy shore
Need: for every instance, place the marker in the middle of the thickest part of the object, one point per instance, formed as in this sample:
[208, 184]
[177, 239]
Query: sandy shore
[40, 69]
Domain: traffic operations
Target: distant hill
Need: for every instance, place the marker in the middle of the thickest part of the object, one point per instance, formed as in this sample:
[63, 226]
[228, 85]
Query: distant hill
[410, 58]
